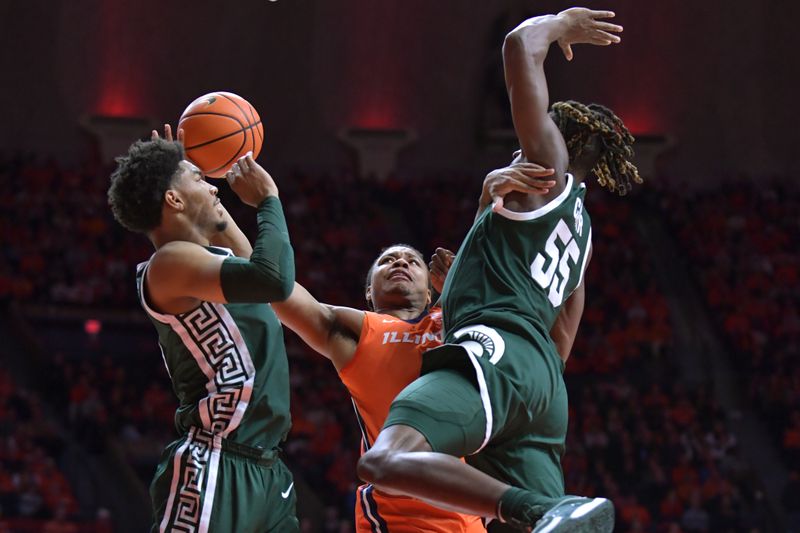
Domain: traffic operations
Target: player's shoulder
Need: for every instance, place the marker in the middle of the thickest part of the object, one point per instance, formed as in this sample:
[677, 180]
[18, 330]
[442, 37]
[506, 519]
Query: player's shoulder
[176, 259]
[183, 252]
[174, 249]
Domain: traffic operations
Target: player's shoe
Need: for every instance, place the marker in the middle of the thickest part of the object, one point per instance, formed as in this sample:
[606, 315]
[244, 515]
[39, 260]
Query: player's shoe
[576, 514]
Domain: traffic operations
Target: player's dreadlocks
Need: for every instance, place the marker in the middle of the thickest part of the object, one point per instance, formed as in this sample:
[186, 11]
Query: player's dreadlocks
[578, 123]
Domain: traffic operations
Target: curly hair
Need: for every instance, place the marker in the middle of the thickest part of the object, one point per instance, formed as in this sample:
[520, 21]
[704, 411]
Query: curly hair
[578, 123]
[139, 182]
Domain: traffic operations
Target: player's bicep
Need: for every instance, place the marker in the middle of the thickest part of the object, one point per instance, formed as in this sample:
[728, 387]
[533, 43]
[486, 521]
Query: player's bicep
[181, 272]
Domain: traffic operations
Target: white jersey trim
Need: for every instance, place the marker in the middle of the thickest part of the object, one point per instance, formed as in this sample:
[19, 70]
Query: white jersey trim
[176, 476]
[487, 403]
[369, 511]
[211, 335]
[143, 299]
[193, 480]
[540, 212]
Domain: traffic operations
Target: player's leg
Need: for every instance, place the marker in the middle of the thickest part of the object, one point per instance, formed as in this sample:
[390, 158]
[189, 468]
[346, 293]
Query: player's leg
[434, 421]
[396, 465]
[444, 415]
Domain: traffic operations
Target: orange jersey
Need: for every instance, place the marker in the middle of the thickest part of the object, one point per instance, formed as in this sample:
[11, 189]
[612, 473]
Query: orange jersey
[389, 357]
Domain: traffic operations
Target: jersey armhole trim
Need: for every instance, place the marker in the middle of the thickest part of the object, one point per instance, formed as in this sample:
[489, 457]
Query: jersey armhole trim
[540, 212]
[161, 317]
[585, 259]
[365, 327]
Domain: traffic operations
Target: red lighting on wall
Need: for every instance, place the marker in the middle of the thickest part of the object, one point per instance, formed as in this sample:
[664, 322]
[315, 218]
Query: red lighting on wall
[123, 80]
[375, 117]
[642, 119]
[92, 326]
[117, 100]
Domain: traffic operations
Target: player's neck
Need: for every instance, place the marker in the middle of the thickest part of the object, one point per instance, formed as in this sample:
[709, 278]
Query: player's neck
[578, 174]
[161, 236]
[405, 313]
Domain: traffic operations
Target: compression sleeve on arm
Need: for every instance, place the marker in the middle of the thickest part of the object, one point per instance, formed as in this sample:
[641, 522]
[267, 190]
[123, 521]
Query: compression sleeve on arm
[268, 276]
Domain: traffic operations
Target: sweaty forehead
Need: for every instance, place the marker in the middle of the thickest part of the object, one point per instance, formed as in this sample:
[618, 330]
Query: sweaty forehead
[402, 251]
[187, 167]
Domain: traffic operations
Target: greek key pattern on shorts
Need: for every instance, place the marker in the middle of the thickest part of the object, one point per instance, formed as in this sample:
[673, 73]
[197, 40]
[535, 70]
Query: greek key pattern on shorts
[219, 351]
[189, 509]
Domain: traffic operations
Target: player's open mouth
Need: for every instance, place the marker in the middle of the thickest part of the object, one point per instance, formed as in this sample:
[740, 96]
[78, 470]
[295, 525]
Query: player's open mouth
[399, 275]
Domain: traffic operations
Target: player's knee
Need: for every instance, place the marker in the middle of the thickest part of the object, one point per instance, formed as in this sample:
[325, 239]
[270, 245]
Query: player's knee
[376, 466]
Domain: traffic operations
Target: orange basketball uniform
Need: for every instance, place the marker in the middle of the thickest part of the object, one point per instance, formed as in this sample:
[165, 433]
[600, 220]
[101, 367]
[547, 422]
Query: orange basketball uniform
[389, 357]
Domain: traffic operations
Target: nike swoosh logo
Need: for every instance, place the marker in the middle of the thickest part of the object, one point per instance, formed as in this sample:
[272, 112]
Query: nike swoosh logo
[285, 494]
[390, 321]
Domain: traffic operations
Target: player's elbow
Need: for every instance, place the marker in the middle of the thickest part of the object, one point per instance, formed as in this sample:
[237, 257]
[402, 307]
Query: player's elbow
[376, 466]
[284, 287]
[518, 46]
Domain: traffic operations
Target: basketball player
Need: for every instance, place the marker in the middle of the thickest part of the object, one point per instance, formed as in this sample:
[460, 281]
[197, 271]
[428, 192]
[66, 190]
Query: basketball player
[378, 352]
[494, 393]
[206, 292]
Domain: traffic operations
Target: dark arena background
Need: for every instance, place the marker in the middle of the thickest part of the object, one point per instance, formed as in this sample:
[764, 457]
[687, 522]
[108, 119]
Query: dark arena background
[381, 119]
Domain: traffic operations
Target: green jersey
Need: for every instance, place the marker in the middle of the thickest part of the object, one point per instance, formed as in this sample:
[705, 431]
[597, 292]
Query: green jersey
[515, 270]
[228, 367]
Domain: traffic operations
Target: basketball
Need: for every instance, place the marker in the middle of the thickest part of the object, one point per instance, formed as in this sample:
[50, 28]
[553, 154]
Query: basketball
[219, 128]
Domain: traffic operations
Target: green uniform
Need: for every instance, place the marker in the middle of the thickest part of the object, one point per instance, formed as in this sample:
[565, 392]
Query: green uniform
[494, 392]
[229, 371]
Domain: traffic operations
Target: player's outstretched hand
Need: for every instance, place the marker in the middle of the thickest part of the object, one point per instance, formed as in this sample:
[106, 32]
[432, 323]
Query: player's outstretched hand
[586, 26]
[528, 178]
[251, 183]
[440, 264]
[168, 134]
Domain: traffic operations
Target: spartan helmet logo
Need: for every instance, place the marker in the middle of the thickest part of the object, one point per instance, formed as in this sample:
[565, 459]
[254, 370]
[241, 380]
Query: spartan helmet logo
[481, 341]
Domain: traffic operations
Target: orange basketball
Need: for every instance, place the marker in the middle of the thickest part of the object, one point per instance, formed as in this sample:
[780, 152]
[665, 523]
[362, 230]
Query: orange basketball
[219, 128]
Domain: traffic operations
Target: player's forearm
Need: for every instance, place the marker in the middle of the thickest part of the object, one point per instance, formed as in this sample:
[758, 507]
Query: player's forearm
[309, 319]
[530, 41]
[268, 275]
[234, 238]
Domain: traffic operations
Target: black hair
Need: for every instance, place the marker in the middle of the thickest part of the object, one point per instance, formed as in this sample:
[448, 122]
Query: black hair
[140, 180]
[580, 124]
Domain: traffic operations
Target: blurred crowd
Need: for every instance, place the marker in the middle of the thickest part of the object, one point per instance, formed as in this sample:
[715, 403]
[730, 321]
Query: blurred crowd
[660, 450]
[35, 495]
[743, 241]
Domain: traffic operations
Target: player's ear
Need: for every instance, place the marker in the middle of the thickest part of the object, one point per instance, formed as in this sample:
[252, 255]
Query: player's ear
[428, 298]
[368, 296]
[173, 200]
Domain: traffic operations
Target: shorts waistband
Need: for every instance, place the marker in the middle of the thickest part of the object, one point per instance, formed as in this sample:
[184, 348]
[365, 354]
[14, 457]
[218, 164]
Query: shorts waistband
[263, 457]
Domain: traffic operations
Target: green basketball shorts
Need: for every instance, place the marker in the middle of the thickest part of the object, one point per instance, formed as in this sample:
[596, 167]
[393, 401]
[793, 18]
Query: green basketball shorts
[497, 399]
[205, 483]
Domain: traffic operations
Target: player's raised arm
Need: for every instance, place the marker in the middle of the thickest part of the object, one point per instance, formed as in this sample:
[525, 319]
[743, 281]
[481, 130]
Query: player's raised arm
[524, 51]
[329, 330]
[183, 273]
